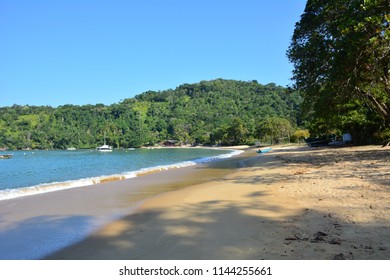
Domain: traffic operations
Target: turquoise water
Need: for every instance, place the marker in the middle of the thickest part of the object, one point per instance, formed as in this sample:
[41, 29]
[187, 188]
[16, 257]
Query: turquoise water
[34, 236]
[33, 172]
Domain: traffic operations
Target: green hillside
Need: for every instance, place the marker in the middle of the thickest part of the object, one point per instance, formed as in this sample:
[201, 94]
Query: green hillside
[210, 112]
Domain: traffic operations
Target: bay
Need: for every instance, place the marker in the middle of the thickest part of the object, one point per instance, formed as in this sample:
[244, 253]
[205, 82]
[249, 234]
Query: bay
[33, 172]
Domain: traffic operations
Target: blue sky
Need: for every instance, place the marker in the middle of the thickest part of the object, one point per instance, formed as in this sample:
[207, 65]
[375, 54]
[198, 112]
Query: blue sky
[56, 52]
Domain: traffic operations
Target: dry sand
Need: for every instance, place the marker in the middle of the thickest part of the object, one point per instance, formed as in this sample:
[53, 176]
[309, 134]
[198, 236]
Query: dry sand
[293, 203]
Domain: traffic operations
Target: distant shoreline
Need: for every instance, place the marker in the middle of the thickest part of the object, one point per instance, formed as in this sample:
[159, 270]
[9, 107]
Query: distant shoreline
[238, 147]
[295, 203]
[64, 183]
[49, 221]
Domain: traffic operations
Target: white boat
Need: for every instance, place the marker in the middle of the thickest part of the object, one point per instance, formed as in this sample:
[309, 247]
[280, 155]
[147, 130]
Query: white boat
[105, 148]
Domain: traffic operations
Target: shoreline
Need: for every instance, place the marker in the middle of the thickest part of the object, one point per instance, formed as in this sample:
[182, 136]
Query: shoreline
[41, 188]
[291, 204]
[34, 226]
[294, 203]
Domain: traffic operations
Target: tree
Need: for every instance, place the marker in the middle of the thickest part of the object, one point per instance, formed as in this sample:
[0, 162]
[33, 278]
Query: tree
[218, 111]
[299, 135]
[275, 128]
[236, 132]
[341, 55]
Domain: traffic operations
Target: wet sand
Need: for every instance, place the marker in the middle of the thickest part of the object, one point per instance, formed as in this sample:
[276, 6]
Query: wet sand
[33, 226]
[294, 203]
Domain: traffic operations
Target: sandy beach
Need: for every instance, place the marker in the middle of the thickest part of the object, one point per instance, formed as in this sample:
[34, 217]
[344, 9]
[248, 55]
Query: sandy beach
[293, 203]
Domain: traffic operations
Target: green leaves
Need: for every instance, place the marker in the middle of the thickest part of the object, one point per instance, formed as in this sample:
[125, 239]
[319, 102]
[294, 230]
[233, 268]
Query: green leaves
[210, 112]
[274, 128]
[341, 56]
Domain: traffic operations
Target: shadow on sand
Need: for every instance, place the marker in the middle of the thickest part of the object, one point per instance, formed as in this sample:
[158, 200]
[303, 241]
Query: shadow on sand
[222, 230]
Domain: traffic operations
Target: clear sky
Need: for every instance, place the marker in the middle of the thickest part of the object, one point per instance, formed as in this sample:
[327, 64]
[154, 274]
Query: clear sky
[56, 52]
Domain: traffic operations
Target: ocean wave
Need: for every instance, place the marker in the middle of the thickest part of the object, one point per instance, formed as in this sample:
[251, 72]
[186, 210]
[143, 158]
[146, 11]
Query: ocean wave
[57, 186]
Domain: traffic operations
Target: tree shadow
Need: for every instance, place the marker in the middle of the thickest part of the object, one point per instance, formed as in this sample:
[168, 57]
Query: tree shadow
[220, 229]
[251, 228]
[374, 164]
[246, 160]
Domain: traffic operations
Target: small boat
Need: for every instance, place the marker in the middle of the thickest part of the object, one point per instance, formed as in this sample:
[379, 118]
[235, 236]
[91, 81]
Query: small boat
[318, 143]
[105, 148]
[265, 150]
[5, 156]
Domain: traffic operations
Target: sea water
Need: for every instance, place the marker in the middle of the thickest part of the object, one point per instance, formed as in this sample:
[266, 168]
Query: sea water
[34, 172]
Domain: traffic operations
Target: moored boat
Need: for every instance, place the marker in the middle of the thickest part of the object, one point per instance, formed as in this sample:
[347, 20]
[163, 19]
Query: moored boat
[264, 150]
[5, 156]
[105, 148]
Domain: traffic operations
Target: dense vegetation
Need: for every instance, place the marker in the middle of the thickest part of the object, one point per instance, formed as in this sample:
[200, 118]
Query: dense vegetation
[210, 112]
[341, 54]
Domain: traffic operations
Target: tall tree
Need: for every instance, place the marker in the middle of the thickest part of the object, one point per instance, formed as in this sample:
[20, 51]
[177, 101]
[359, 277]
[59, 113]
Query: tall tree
[275, 128]
[341, 55]
[236, 132]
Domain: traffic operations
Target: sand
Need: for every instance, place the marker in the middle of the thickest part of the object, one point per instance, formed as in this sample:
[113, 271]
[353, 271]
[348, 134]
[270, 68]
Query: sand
[293, 203]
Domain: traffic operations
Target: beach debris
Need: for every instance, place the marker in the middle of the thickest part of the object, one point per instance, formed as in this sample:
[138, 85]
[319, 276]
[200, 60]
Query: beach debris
[338, 257]
[337, 225]
[300, 172]
[297, 237]
[319, 237]
[320, 234]
[341, 256]
[335, 241]
[291, 238]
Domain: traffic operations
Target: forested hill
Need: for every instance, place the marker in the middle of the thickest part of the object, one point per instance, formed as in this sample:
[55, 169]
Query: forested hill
[218, 111]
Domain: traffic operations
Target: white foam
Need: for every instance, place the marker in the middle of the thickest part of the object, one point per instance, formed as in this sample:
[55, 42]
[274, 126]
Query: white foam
[56, 186]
